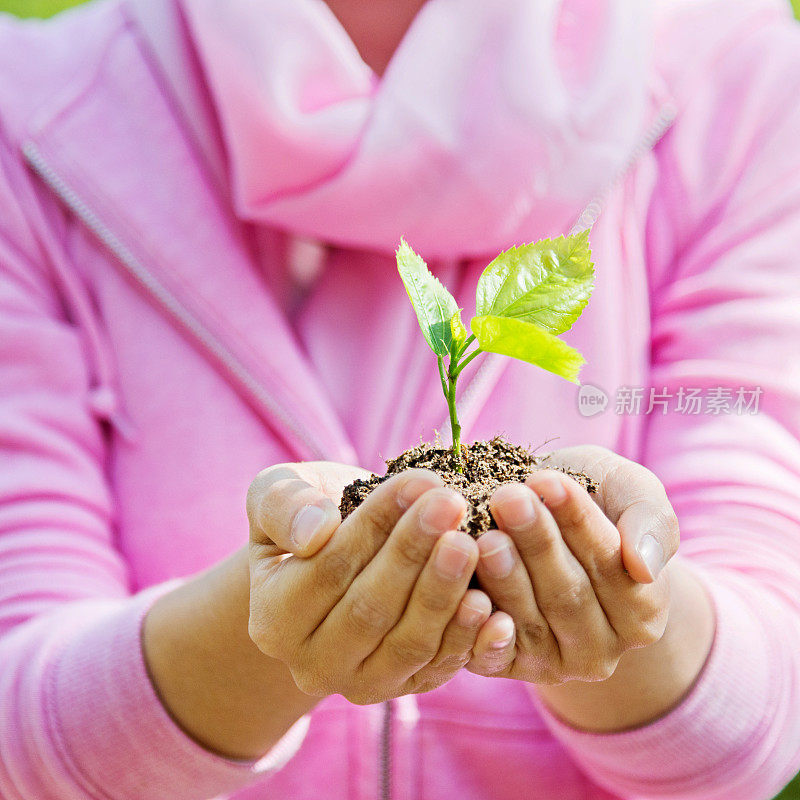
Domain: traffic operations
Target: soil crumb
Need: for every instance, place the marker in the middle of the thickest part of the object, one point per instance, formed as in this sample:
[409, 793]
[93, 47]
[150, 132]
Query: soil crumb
[487, 465]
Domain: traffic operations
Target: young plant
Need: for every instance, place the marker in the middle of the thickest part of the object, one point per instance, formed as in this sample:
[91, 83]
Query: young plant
[526, 297]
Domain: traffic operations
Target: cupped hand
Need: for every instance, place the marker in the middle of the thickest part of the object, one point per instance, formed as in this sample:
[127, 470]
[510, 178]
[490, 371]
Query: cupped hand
[371, 608]
[578, 579]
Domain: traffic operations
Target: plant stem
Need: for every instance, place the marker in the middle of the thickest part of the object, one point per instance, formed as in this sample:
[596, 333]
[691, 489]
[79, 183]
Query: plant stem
[455, 427]
[466, 361]
[463, 349]
[442, 375]
[449, 380]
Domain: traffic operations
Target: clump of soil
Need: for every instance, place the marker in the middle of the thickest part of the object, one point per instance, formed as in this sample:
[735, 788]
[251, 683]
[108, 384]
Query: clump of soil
[486, 466]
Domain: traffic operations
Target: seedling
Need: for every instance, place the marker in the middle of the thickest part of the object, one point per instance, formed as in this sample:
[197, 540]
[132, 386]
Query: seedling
[526, 298]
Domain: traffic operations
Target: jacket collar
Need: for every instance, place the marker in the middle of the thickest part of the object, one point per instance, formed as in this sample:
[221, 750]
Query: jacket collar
[116, 152]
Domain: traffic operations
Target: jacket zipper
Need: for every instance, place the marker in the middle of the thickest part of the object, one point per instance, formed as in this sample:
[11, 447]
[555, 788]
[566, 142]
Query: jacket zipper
[660, 125]
[129, 261]
[586, 219]
[385, 772]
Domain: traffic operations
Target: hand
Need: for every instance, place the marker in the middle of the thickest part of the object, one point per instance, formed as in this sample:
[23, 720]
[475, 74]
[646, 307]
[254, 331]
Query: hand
[372, 608]
[577, 578]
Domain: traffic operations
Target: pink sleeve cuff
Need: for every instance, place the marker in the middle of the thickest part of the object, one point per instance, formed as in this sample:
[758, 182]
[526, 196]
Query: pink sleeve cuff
[719, 733]
[112, 729]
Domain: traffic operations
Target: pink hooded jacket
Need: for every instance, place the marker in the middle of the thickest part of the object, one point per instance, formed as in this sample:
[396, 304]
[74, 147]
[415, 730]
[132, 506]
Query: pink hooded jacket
[153, 359]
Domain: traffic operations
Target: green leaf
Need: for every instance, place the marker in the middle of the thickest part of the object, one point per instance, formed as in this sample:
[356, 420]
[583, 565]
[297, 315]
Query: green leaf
[458, 332]
[527, 342]
[435, 306]
[547, 283]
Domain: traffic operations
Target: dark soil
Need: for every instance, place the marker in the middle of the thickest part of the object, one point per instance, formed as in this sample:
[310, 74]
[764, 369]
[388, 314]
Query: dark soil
[487, 465]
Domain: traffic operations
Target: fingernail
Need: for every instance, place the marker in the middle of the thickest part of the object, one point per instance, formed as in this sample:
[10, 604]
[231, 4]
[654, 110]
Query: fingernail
[498, 562]
[442, 512]
[552, 489]
[307, 523]
[651, 552]
[451, 560]
[468, 617]
[505, 634]
[515, 506]
[413, 489]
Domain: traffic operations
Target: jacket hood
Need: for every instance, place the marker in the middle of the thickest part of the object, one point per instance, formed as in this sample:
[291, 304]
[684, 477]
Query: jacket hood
[527, 109]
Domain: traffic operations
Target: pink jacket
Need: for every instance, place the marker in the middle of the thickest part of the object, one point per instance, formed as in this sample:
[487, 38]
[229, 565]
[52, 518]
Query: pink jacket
[149, 368]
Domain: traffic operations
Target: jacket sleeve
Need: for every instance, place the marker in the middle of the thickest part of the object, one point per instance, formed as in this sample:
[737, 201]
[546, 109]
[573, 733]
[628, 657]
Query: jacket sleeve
[724, 251]
[79, 717]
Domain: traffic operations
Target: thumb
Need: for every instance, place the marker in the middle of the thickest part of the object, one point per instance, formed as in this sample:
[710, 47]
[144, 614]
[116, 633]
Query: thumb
[293, 508]
[649, 532]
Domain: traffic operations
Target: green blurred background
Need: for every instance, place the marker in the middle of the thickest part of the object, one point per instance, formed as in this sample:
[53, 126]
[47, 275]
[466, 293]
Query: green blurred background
[45, 8]
[39, 8]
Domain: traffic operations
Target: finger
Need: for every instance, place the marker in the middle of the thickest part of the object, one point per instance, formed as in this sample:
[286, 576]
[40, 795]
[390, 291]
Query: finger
[287, 514]
[415, 640]
[561, 587]
[650, 537]
[291, 598]
[494, 650]
[595, 542]
[376, 599]
[458, 640]
[588, 533]
[329, 477]
[368, 527]
[634, 499]
[504, 576]
[294, 508]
